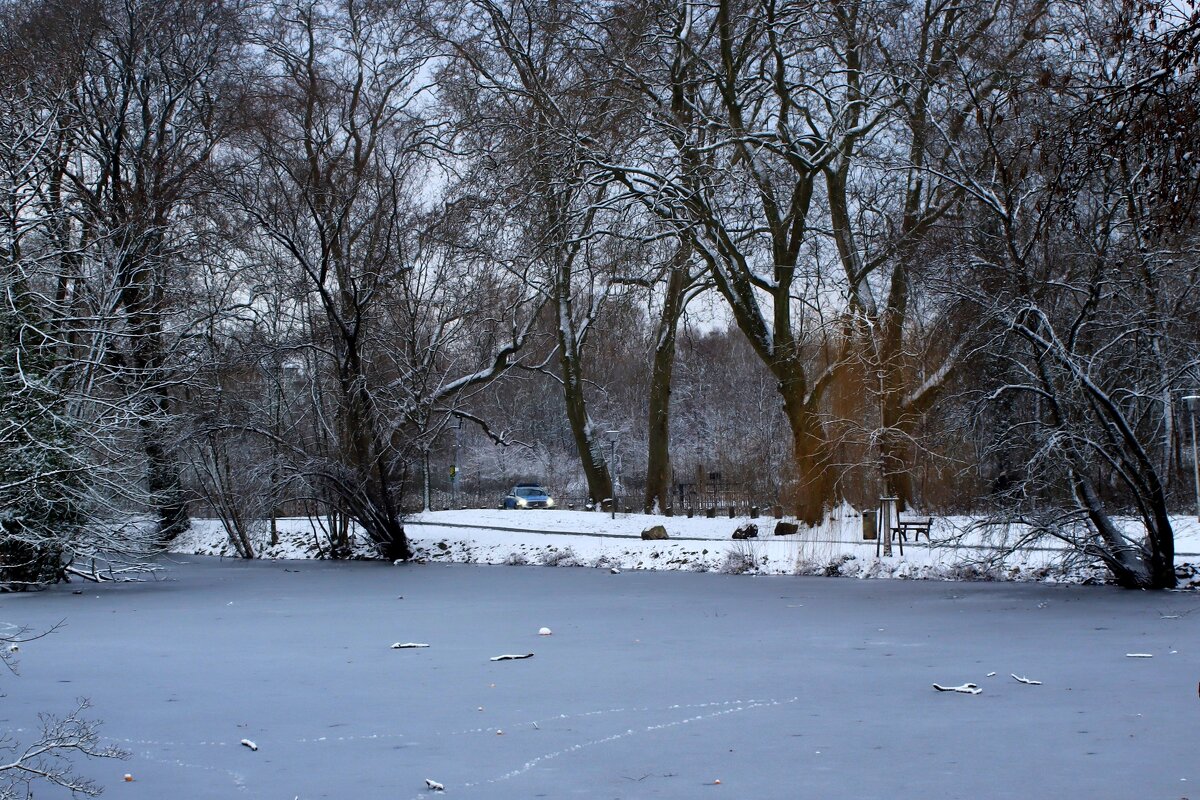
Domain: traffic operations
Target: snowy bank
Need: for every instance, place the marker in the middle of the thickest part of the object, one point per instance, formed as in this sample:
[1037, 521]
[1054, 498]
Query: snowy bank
[960, 548]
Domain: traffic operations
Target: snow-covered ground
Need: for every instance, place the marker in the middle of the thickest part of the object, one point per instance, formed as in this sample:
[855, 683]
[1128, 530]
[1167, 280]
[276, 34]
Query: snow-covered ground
[960, 547]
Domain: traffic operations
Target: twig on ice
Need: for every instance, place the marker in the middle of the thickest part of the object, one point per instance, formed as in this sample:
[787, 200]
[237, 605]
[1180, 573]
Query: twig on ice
[1025, 680]
[1139, 655]
[407, 645]
[966, 688]
[510, 657]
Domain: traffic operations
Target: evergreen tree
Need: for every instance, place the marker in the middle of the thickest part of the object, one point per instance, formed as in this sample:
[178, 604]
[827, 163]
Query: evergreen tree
[41, 480]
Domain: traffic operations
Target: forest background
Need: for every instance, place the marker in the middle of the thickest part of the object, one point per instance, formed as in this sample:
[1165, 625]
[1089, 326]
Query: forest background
[352, 258]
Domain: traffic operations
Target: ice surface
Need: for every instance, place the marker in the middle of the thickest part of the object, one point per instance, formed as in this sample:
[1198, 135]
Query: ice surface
[654, 684]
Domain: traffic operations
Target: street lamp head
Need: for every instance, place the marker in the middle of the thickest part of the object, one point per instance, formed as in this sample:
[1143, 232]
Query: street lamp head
[612, 436]
[1193, 402]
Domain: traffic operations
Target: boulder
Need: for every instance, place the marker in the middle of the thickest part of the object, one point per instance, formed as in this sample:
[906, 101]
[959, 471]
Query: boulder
[747, 531]
[786, 528]
[655, 532]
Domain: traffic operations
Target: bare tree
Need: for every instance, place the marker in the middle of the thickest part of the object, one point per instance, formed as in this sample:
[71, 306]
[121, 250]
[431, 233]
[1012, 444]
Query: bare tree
[887, 196]
[526, 117]
[751, 104]
[63, 475]
[1079, 303]
[146, 115]
[387, 308]
[326, 179]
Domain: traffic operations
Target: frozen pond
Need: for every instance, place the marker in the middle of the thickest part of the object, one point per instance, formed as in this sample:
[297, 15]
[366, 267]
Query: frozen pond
[652, 684]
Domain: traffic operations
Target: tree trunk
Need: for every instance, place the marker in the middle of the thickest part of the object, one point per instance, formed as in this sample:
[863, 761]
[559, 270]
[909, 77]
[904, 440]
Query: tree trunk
[814, 489]
[142, 297]
[658, 460]
[163, 479]
[591, 451]
[425, 488]
[1132, 567]
[369, 500]
[898, 424]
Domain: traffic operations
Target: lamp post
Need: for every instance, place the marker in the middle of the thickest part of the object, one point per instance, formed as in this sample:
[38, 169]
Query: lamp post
[612, 462]
[1193, 403]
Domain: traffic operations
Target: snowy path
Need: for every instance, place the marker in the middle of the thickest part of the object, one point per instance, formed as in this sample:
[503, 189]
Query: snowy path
[592, 539]
[433, 523]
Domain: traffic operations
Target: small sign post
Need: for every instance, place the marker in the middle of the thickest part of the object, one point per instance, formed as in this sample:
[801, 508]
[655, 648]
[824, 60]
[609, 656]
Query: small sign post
[887, 516]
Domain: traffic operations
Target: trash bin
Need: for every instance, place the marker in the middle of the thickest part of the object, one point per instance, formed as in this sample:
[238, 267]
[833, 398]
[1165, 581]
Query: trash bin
[870, 524]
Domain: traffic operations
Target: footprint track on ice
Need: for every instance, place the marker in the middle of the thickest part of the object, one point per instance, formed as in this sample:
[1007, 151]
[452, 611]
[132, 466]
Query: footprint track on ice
[239, 780]
[722, 708]
[709, 710]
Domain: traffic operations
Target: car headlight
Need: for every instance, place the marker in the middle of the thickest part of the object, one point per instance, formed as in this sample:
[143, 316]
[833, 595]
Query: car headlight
[549, 502]
[521, 503]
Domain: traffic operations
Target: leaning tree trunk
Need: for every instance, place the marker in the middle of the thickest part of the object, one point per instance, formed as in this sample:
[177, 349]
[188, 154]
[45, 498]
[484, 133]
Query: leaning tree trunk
[1128, 565]
[570, 362]
[658, 461]
[1135, 566]
[591, 451]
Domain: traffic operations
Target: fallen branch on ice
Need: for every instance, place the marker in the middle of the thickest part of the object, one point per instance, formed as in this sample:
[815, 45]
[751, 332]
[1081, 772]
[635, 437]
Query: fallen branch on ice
[966, 688]
[511, 657]
[1019, 679]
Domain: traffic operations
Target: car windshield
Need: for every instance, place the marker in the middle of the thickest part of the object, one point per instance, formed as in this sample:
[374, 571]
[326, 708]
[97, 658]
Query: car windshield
[529, 491]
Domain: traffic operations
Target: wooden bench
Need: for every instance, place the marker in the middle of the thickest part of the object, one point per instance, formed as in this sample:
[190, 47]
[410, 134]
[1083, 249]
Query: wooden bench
[914, 525]
[900, 530]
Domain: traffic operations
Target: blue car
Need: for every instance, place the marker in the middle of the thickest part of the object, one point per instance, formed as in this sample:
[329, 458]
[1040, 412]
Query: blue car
[528, 495]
